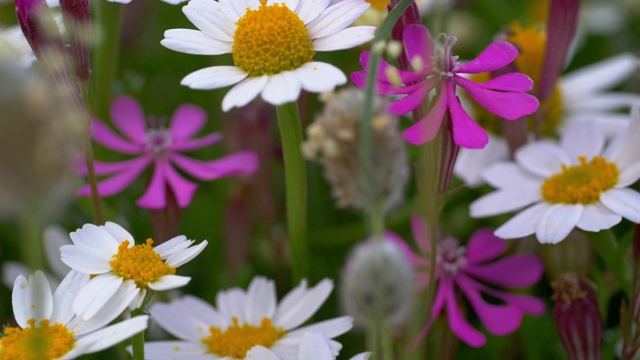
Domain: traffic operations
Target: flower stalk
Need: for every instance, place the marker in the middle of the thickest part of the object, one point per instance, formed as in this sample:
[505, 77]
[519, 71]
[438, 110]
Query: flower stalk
[109, 20]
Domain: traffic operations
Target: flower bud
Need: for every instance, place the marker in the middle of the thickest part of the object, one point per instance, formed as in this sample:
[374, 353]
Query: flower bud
[77, 20]
[577, 317]
[377, 283]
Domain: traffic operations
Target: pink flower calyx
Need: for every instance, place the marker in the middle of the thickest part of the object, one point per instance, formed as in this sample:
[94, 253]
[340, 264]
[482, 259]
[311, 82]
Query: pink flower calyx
[444, 62]
[450, 257]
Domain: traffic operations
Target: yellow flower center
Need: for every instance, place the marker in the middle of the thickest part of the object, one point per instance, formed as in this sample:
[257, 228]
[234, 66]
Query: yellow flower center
[581, 184]
[531, 41]
[236, 340]
[270, 40]
[36, 343]
[139, 263]
[378, 4]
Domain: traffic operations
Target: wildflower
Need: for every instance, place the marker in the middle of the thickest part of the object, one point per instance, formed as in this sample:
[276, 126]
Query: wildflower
[272, 43]
[123, 272]
[243, 321]
[46, 319]
[161, 147]
[468, 269]
[577, 183]
[334, 138]
[438, 70]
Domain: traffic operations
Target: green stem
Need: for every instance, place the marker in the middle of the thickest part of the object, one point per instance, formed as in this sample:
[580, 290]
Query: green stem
[604, 242]
[31, 245]
[386, 341]
[138, 339]
[372, 337]
[109, 20]
[296, 187]
[88, 155]
[377, 218]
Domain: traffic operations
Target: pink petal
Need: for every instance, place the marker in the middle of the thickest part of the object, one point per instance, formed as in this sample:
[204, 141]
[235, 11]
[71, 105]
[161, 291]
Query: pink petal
[459, 325]
[498, 319]
[406, 250]
[519, 270]
[417, 42]
[405, 76]
[494, 57]
[186, 121]
[515, 82]
[445, 286]
[102, 134]
[193, 144]
[128, 117]
[118, 182]
[411, 101]
[107, 168]
[420, 231]
[237, 164]
[182, 188]
[527, 304]
[155, 195]
[507, 105]
[484, 246]
[466, 133]
[360, 79]
[427, 128]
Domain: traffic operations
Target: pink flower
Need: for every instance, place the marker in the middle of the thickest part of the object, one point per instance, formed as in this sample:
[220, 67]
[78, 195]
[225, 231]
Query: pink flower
[438, 70]
[469, 270]
[162, 148]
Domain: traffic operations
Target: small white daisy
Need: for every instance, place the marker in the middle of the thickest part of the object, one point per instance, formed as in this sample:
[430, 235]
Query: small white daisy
[582, 96]
[122, 272]
[577, 183]
[49, 319]
[243, 321]
[272, 42]
[313, 346]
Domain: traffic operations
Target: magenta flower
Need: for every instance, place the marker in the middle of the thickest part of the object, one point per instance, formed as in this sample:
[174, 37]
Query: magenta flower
[469, 270]
[162, 148]
[438, 70]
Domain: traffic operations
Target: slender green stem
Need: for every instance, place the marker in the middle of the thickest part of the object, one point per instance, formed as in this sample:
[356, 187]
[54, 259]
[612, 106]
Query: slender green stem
[109, 20]
[377, 218]
[138, 339]
[31, 245]
[606, 245]
[88, 155]
[372, 337]
[296, 187]
[386, 341]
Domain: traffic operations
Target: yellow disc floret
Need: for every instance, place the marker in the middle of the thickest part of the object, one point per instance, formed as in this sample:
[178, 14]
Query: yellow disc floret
[581, 184]
[270, 40]
[378, 4]
[236, 339]
[140, 263]
[36, 343]
[531, 42]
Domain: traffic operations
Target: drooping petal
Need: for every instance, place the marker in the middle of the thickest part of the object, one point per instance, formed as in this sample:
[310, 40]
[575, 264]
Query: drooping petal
[318, 77]
[186, 121]
[282, 88]
[213, 77]
[598, 217]
[344, 39]
[128, 117]
[427, 128]
[557, 222]
[103, 135]
[484, 246]
[245, 91]
[466, 133]
[336, 17]
[507, 105]
[494, 57]
[624, 202]
[524, 223]
[517, 271]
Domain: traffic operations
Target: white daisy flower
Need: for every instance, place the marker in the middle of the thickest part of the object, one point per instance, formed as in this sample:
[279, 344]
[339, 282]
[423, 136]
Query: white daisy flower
[579, 182]
[49, 319]
[243, 321]
[272, 43]
[122, 272]
[313, 346]
[583, 97]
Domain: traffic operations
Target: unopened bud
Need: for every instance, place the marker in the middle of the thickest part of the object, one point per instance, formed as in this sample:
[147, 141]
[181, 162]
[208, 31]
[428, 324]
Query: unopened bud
[77, 21]
[577, 317]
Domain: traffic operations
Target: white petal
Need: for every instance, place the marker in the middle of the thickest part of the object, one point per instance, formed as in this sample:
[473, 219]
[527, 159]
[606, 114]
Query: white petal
[611, 124]
[173, 350]
[557, 222]
[582, 140]
[328, 328]
[109, 336]
[140, 294]
[54, 238]
[96, 294]
[597, 217]
[296, 314]
[606, 102]
[214, 19]
[173, 246]
[314, 347]
[11, 270]
[471, 163]
[507, 175]
[362, 356]
[118, 232]
[259, 352]
[629, 175]
[523, 224]
[345, 39]
[318, 77]
[88, 260]
[336, 17]
[94, 236]
[503, 201]
[624, 202]
[65, 294]
[31, 299]
[194, 42]
[168, 282]
[213, 77]
[184, 256]
[292, 298]
[230, 303]
[239, 6]
[183, 321]
[261, 300]
[601, 75]
[542, 158]
[291, 4]
[624, 150]
[281, 88]
[309, 10]
[245, 91]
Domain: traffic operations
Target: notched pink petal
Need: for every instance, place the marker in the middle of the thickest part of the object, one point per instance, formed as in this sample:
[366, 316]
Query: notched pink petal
[466, 133]
[193, 144]
[459, 325]
[186, 121]
[410, 102]
[494, 57]
[516, 271]
[181, 187]
[507, 105]
[237, 164]
[514, 82]
[418, 43]
[103, 135]
[155, 195]
[427, 128]
[484, 246]
[406, 77]
[128, 117]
